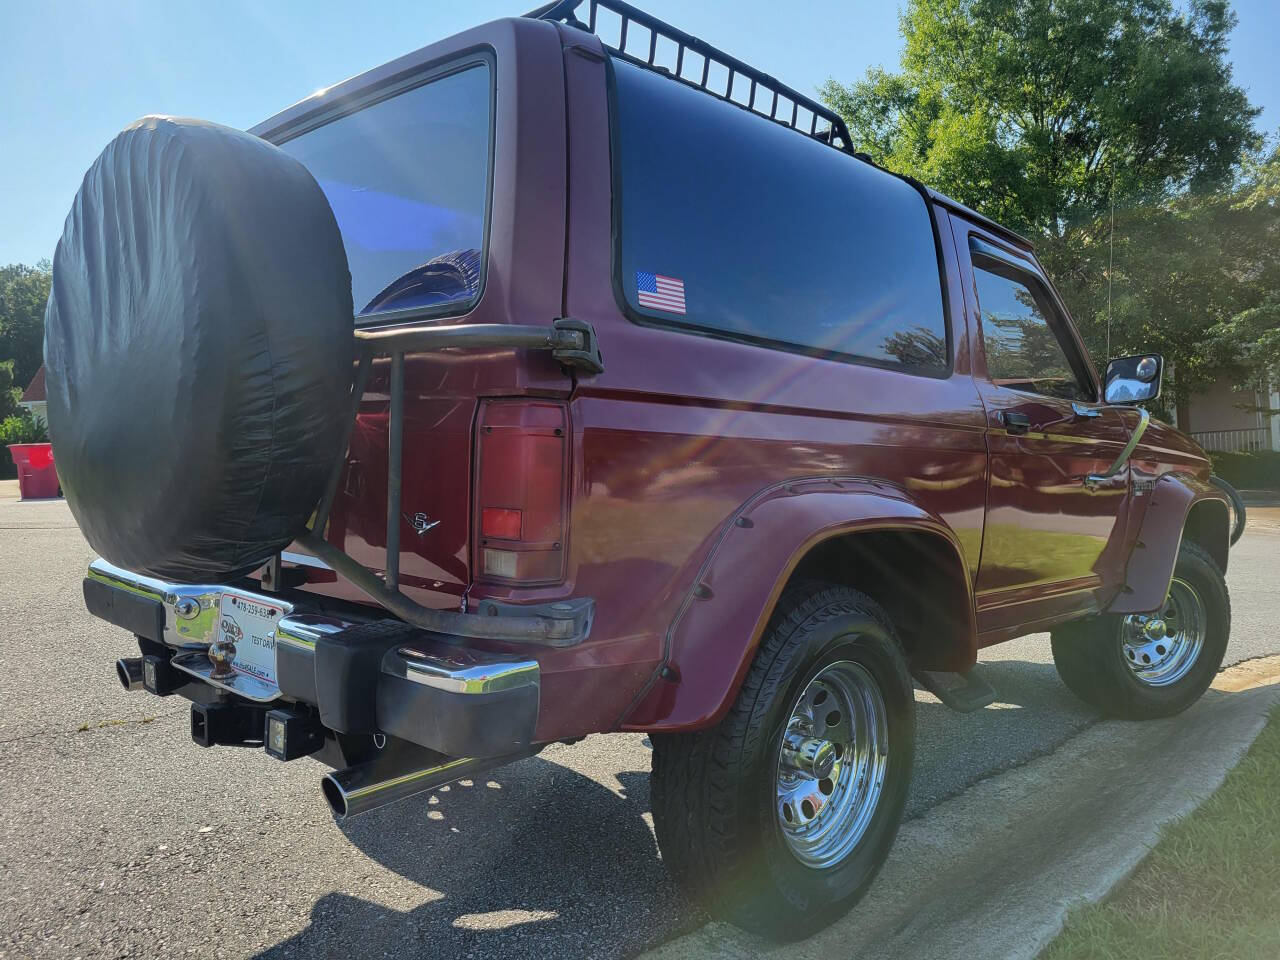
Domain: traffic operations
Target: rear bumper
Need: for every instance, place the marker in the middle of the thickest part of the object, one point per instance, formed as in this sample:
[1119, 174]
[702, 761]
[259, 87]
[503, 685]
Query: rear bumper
[359, 678]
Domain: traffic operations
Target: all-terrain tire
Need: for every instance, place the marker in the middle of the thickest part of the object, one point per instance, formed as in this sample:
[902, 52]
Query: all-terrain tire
[1090, 654]
[714, 802]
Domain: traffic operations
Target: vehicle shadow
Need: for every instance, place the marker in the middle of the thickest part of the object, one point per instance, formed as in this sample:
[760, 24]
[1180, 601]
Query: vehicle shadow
[537, 859]
[534, 859]
[1033, 714]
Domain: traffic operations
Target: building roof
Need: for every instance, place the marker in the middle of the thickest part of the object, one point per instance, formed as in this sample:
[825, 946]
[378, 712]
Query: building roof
[35, 389]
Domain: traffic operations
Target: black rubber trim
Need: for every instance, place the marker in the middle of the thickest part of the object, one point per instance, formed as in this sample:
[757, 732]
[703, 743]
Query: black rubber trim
[296, 672]
[343, 676]
[347, 667]
[457, 724]
[141, 616]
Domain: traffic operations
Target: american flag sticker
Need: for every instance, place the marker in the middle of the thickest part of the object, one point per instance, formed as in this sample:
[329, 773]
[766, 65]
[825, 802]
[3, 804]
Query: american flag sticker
[660, 293]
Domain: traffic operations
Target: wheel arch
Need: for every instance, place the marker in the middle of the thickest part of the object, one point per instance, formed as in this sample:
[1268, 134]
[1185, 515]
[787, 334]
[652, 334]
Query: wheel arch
[899, 566]
[1179, 506]
[860, 533]
[1208, 524]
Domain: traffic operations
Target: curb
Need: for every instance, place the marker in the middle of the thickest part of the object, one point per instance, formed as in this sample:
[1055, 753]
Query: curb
[994, 871]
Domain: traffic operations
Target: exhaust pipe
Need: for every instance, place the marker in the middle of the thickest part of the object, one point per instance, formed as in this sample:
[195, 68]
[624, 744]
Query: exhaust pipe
[367, 786]
[129, 670]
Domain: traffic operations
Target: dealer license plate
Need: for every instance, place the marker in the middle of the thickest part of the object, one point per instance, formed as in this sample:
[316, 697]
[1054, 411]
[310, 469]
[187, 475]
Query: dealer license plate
[251, 625]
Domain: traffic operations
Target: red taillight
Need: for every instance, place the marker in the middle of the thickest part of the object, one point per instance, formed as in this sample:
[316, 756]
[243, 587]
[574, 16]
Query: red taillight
[500, 522]
[522, 470]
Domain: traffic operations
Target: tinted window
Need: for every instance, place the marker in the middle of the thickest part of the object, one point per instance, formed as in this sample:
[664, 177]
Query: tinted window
[1023, 351]
[734, 224]
[408, 182]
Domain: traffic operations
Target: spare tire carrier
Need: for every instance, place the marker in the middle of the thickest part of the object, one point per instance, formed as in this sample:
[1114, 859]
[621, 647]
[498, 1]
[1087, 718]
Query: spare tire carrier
[573, 343]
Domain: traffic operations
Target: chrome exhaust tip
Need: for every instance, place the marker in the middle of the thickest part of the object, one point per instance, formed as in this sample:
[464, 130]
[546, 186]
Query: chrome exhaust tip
[367, 786]
[334, 795]
[129, 672]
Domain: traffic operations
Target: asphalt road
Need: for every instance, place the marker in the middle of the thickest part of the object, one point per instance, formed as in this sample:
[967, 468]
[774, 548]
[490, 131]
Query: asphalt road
[119, 837]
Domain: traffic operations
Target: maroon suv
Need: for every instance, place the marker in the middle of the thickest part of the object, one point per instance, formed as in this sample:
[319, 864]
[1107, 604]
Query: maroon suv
[570, 376]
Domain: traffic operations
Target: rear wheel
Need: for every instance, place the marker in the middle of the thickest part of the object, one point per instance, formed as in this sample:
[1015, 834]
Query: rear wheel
[1157, 664]
[779, 817]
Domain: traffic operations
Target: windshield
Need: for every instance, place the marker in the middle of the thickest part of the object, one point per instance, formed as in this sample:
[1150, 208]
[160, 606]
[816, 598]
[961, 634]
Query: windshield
[407, 178]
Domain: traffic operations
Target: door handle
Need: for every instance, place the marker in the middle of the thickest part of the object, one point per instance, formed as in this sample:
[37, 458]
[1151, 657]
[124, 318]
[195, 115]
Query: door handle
[1015, 422]
[1086, 413]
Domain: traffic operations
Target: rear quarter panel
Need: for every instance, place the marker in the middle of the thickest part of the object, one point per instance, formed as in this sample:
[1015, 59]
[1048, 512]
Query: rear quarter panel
[682, 430]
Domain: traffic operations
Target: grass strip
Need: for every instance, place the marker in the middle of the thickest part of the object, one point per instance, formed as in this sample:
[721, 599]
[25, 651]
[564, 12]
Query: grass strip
[1209, 888]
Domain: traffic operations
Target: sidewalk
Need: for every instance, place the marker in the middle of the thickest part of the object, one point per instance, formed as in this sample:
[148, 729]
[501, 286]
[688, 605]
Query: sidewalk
[1260, 498]
[994, 871]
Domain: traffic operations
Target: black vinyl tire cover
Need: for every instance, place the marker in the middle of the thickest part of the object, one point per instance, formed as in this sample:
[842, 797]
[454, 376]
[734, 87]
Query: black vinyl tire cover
[198, 350]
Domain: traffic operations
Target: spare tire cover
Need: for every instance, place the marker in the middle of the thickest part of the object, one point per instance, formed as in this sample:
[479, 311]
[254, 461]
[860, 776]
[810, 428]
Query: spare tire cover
[198, 350]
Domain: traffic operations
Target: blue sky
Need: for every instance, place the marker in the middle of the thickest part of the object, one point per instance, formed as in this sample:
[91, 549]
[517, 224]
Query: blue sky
[74, 72]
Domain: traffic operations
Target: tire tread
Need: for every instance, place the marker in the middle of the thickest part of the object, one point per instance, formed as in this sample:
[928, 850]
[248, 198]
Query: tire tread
[696, 784]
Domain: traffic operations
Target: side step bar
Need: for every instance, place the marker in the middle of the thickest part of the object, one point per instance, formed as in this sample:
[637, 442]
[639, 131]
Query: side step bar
[962, 692]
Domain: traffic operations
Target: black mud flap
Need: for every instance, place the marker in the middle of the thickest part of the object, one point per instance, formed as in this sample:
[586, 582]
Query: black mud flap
[962, 692]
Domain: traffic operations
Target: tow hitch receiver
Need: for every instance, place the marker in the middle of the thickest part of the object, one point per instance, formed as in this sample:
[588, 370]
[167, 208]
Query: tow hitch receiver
[227, 724]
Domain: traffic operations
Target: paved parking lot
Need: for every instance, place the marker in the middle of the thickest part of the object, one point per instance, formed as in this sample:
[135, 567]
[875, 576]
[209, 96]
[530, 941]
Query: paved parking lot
[119, 837]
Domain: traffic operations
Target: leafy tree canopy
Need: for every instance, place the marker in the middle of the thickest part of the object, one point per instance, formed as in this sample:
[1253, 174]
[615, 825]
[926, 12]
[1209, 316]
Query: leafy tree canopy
[24, 292]
[1035, 107]
[1043, 113]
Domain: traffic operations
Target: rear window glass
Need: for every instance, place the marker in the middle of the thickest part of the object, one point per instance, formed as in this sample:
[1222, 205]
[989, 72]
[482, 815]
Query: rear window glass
[735, 225]
[408, 180]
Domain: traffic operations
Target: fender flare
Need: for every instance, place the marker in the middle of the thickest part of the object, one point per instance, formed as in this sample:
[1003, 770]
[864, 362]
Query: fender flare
[1152, 558]
[1238, 511]
[738, 584]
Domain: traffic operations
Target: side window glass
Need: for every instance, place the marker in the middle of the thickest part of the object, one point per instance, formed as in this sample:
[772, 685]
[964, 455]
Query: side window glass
[1023, 351]
[732, 224]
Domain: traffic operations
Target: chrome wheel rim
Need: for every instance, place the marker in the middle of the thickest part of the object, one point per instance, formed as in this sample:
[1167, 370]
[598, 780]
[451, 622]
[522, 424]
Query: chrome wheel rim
[831, 764]
[1161, 648]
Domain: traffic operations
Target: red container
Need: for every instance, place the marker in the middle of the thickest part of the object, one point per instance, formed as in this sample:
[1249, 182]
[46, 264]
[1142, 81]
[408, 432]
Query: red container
[37, 478]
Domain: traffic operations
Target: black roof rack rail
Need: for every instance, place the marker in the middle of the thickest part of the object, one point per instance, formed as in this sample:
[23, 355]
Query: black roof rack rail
[764, 88]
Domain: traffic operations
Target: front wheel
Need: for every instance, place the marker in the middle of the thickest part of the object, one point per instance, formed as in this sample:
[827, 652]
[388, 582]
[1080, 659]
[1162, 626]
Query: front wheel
[1144, 666]
[779, 817]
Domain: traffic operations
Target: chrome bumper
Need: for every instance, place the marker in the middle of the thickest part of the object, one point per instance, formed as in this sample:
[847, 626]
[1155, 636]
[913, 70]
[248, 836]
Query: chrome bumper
[190, 611]
[182, 616]
[424, 688]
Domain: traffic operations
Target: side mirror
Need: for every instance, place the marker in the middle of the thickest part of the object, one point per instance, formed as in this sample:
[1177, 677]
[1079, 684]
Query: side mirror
[1134, 379]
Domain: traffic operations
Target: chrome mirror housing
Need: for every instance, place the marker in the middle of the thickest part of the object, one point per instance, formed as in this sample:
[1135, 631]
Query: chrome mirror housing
[1134, 379]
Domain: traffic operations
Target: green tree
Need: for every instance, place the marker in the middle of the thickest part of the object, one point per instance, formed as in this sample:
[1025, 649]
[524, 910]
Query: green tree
[9, 394]
[24, 292]
[1197, 278]
[1250, 337]
[1046, 113]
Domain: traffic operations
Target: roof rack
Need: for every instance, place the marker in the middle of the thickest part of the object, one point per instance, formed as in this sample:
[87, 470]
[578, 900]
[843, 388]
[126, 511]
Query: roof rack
[764, 91]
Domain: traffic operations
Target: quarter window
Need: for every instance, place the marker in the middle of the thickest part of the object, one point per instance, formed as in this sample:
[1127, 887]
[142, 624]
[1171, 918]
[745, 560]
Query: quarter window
[1023, 350]
[407, 178]
[734, 225]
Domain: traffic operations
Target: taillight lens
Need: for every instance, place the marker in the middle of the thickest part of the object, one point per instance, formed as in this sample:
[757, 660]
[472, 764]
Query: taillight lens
[500, 522]
[522, 472]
